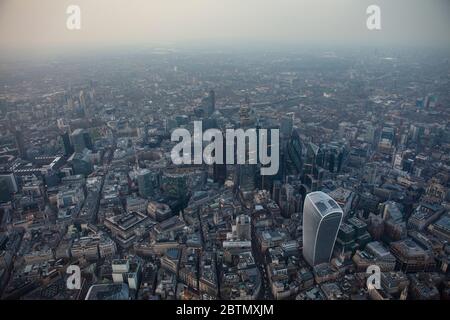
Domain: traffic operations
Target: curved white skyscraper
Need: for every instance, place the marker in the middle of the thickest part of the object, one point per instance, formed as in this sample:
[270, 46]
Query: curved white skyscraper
[322, 217]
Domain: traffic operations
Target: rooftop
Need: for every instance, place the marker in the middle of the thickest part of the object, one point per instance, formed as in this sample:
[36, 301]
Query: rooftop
[324, 203]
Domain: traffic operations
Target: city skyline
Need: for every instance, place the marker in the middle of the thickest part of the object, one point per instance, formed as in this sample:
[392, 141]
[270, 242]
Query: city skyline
[208, 152]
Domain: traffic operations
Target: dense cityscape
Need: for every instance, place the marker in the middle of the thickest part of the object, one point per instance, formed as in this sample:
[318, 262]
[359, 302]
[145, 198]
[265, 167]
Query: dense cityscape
[86, 176]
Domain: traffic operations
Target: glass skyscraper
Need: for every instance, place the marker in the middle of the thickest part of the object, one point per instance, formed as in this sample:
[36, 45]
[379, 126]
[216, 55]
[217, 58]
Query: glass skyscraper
[322, 217]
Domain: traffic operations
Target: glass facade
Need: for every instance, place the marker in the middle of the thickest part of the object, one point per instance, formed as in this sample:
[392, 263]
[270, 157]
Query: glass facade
[322, 217]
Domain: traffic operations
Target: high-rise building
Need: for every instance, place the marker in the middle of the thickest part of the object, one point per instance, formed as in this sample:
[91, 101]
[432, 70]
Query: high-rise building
[322, 218]
[246, 177]
[287, 125]
[295, 153]
[82, 100]
[220, 170]
[207, 105]
[9, 180]
[81, 162]
[8, 186]
[81, 140]
[245, 116]
[20, 143]
[145, 183]
[68, 148]
[211, 102]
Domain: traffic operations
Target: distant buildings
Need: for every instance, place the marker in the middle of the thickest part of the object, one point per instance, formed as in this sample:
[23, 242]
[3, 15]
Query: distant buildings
[363, 180]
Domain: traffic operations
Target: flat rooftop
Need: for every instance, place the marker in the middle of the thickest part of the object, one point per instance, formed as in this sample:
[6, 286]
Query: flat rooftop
[324, 203]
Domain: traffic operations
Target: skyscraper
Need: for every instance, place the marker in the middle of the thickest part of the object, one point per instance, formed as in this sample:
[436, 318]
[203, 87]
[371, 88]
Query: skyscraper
[322, 217]
[20, 143]
[82, 100]
[145, 183]
[295, 153]
[246, 177]
[211, 106]
[220, 170]
[287, 124]
[207, 106]
[68, 149]
[80, 140]
[244, 116]
[8, 186]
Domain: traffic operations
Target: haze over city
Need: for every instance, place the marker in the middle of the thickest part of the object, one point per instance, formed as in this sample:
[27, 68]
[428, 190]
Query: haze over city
[41, 25]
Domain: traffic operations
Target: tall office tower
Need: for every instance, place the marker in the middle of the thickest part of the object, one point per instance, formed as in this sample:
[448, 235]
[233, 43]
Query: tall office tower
[207, 106]
[70, 103]
[246, 174]
[8, 186]
[311, 158]
[68, 148]
[80, 140]
[145, 183]
[82, 100]
[220, 170]
[322, 218]
[243, 227]
[219, 173]
[286, 202]
[20, 143]
[8, 178]
[276, 190]
[330, 157]
[295, 153]
[211, 102]
[244, 116]
[87, 140]
[287, 125]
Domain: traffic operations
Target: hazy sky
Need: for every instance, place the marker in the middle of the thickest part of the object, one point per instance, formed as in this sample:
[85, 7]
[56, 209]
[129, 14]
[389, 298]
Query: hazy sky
[41, 24]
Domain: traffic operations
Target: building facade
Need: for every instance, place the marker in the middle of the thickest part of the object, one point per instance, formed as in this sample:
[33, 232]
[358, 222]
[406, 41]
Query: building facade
[322, 217]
